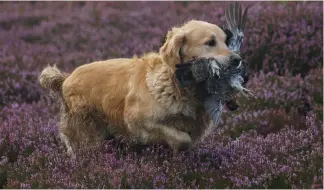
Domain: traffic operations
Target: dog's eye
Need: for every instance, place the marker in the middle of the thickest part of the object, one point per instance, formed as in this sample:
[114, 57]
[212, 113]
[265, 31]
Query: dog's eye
[211, 43]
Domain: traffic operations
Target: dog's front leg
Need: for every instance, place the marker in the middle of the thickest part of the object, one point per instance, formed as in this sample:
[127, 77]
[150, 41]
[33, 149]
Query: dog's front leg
[151, 131]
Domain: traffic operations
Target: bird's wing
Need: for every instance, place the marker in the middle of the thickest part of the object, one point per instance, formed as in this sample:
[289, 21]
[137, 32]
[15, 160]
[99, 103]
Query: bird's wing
[215, 108]
[235, 25]
[184, 74]
[194, 72]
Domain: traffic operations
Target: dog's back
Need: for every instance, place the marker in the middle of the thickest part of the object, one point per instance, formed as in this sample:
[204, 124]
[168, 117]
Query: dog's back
[102, 84]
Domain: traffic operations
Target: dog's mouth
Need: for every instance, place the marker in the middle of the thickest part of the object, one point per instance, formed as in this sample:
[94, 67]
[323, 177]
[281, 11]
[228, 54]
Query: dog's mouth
[222, 82]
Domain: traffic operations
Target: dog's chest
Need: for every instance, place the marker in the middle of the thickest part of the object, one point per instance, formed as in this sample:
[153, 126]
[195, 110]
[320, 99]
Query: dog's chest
[166, 106]
[168, 100]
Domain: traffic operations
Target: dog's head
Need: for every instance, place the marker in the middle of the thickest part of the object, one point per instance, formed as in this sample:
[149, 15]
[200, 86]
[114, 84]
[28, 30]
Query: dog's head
[197, 39]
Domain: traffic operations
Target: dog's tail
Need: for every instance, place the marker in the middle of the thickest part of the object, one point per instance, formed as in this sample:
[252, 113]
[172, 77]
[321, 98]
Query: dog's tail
[52, 78]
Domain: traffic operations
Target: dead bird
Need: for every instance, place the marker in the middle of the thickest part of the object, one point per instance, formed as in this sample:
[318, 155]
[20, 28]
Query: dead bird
[216, 84]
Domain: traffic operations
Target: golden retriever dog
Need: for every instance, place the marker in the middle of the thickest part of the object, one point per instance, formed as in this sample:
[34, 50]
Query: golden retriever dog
[138, 97]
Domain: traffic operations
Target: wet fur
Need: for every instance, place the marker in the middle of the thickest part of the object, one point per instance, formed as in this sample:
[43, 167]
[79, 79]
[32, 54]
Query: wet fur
[138, 97]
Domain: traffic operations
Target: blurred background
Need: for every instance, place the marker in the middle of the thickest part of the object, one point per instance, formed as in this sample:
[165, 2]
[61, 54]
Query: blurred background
[273, 141]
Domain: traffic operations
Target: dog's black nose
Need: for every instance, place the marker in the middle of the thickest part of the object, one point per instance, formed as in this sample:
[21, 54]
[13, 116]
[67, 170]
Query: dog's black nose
[236, 60]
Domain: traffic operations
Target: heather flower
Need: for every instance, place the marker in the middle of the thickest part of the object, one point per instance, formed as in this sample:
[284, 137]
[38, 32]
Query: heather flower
[272, 141]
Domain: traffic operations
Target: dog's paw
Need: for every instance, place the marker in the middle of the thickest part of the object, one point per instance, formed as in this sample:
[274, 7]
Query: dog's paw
[183, 142]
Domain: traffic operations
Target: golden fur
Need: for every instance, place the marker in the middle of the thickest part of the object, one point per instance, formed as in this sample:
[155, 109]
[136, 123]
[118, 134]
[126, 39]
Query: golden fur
[138, 97]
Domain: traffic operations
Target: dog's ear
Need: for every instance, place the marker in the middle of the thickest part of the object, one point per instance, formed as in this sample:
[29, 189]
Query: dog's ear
[171, 49]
